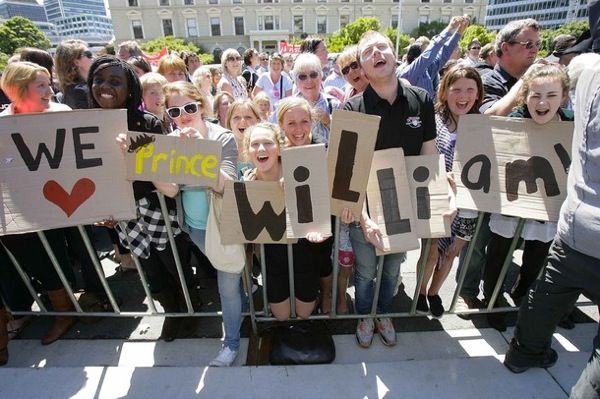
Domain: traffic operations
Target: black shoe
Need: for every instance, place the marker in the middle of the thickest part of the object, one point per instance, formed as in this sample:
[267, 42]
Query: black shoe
[497, 321]
[422, 306]
[518, 362]
[435, 305]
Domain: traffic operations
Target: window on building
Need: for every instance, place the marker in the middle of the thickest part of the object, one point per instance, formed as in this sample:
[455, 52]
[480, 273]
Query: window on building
[423, 19]
[167, 25]
[138, 29]
[238, 26]
[450, 1]
[267, 1]
[268, 22]
[321, 24]
[321, 1]
[298, 24]
[191, 27]
[395, 21]
[297, 1]
[213, 1]
[164, 3]
[215, 26]
[236, 1]
[188, 2]
[344, 20]
[133, 3]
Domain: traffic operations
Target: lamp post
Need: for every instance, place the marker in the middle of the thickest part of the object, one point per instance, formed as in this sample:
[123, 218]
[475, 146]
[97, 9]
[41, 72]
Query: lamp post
[398, 27]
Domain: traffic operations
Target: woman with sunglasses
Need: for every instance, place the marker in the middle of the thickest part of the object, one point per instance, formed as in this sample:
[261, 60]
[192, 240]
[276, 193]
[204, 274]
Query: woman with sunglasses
[232, 80]
[309, 75]
[352, 72]
[72, 62]
[113, 84]
[274, 83]
[186, 106]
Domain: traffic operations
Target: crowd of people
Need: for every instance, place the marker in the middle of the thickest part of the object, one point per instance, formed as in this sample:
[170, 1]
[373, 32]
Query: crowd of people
[255, 104]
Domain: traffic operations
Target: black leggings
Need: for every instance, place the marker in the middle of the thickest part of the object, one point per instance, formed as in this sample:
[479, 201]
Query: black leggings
[160, 267]
[31, 255]
[534, 254]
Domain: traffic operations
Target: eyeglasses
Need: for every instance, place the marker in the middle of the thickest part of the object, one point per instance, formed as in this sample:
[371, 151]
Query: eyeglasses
[529, 44]
[304, 76]
[475, 48]
[346, 69]
[234, 58]
[189, 108]
[87, 54]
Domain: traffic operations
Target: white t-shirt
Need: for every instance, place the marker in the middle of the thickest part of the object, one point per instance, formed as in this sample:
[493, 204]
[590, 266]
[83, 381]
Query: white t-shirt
[275, 91]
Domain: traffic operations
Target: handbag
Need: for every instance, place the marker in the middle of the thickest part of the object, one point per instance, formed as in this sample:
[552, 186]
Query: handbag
[305, 342]
[226, 258]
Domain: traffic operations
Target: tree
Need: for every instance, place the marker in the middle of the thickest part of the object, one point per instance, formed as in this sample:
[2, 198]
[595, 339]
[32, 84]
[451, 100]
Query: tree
[404, 40]
[175, 44]
[351, 33]
[429, 29]
[476, 32]
[547, 36]
[3, 61]
[18, 32]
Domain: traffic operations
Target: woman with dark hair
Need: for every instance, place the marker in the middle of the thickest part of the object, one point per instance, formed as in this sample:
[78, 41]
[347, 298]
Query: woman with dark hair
[140, 65]
[73, 60]
[113, 84]
[460, 93]
[316, 46]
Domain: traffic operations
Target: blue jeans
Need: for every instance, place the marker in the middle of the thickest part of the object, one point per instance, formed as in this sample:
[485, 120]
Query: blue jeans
[365, 272]
[230, 292]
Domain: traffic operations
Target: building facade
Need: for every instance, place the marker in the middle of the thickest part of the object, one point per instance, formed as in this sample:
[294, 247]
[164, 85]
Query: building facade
[81, 19]
[216, 25]
[549, 13]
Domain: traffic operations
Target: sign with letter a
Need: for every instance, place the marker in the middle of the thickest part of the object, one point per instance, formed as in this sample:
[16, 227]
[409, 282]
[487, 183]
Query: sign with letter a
[61, 169]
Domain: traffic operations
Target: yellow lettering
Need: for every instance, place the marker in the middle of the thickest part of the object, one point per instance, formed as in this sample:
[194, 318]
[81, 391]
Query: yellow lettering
[209, 162]
[193, 160]
[183, 160]
[172, 163]
[140, 155]
[161, 156]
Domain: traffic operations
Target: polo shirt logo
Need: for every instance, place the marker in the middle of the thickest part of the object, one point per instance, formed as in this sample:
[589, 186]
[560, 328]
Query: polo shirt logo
[413, 121]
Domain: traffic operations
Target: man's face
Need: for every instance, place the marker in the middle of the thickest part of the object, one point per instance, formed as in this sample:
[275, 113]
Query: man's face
[377, 58]
[524, 49]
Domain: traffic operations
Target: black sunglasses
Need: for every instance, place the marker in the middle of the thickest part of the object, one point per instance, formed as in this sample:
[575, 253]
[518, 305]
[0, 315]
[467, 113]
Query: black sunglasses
[529, 44]
[189, 108]
[346, 69]
[234, 58]
[312, 75]
[88, 54]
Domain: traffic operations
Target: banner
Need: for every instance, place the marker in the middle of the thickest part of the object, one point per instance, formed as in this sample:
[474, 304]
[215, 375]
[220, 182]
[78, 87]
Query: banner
[285, 47]
[512, 166]
[62, 169]
[153, 157]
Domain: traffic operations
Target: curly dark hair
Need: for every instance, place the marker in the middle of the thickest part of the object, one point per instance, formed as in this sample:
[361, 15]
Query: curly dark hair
[134, 87]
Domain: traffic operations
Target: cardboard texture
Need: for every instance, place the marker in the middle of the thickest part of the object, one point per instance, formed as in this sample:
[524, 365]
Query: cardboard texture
[306, 190]
[170, 159]
[351, 145]
[512, 166]
[390, 205]
[253, 212]
[62, 169]
[429, 195]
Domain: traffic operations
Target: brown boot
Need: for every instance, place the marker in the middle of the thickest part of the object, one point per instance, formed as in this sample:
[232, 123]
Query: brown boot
[3, 337]
[60, 303]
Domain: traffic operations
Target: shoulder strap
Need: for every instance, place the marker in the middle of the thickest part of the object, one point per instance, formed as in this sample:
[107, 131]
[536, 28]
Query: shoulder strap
[329, 106]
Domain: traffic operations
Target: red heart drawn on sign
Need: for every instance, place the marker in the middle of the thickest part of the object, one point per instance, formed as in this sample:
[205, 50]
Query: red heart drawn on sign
[82, 190]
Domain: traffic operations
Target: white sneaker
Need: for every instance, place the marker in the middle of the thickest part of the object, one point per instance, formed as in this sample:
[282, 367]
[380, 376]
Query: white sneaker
[224, 359]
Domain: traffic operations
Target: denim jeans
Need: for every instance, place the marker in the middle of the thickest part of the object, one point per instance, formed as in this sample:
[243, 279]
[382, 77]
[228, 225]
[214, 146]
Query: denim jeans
[365, 273]
[230, 293]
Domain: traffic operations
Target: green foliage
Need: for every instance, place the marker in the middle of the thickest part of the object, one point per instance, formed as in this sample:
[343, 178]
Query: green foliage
[3, 61]
[18, 32]
[351, 33]
[404, 40]
[428, 29]
[172, 43]
[476, 32]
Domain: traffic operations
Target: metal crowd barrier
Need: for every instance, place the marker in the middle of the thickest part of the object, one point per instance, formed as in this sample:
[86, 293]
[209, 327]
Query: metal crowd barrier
[255, 315]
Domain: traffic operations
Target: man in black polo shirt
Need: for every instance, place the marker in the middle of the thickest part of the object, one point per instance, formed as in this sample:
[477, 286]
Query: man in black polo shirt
[517, 46]
[407, 121]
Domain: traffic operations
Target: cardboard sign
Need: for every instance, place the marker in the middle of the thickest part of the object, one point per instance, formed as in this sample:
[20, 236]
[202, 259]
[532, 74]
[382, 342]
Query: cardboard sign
[351, 146]
[253, 212]
[306, 190]
[512, 166]
[389, 202]
[153, 157]
[429, 194]
[61, 169]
